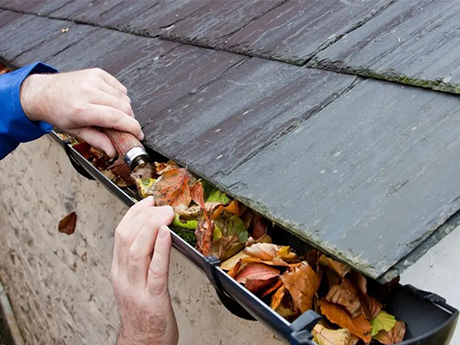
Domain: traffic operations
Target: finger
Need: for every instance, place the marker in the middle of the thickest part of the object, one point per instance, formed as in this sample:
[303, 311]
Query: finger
[95, 138]
[140, 253]
[111, 80]
[157, 280]
[103, 98]
[108, 117]
[125, 235]
[107, 88]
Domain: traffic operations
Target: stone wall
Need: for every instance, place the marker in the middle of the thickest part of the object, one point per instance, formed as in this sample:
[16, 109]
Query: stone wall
[59, 285]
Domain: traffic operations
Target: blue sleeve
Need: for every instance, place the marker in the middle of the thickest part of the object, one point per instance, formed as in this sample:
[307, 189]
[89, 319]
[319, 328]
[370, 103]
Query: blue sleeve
[15, 127]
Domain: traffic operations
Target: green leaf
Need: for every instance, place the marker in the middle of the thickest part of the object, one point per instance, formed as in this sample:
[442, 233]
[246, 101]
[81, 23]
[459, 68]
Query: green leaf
[382, 322]
[232, 236]
[178, 223]
[216, 195]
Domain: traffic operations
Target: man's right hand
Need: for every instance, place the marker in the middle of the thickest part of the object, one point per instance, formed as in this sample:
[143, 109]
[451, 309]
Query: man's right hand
[140, 276]
[79, 101]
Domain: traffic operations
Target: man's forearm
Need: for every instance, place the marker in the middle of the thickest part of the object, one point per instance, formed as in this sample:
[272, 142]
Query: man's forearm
[15, 126]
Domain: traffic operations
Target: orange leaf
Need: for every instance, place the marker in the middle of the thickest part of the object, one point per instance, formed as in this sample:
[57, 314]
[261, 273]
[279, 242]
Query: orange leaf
[273, 288]
[204, 232]
[302, 283]
[256, 271]
[173, 188]
[346, 296]
[232, 208]
[228, 264]
[339, 268]
[68, 223]
[274, 262]
[359, 326]
[236, 269]
[197, 194]
[278, 297]
[395, 336]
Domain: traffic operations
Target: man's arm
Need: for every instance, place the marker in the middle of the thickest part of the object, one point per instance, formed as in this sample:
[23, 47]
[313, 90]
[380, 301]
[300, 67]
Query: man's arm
[140, 276]
[32, 101]
[15, 126]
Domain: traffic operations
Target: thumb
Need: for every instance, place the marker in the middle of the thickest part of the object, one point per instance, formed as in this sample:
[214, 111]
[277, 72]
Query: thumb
[96, 138]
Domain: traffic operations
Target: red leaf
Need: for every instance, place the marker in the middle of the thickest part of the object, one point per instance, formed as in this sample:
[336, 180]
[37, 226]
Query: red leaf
[68, 223]
[256, 285]
[197, 194]
[204, 233]
[257, 271]
[173, 188]
[275, 287]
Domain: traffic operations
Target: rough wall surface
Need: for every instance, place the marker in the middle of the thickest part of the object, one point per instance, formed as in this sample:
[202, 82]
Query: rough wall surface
[59, 285]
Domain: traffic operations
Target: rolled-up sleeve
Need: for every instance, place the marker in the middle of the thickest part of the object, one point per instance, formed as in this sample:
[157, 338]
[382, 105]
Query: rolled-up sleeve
[15, 127]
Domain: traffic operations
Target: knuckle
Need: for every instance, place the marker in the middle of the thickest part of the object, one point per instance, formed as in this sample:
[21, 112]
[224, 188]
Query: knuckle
[134, 256]
[120, 237]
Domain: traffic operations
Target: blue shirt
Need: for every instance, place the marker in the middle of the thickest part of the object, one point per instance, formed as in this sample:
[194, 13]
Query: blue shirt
[15, 127]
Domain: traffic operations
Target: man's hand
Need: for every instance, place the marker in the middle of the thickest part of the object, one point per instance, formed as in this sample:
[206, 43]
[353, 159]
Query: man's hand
[76, 102]
[140, 276]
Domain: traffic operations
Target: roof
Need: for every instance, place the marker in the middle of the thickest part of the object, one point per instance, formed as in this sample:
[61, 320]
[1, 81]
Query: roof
[284, 105]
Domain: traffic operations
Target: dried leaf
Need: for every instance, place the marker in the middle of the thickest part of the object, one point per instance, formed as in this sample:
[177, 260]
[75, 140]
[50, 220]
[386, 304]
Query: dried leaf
[197, 195]
[371, 306]
[394, 336]
[257, 285]
[324, 336]
[144, 171]
[236, 269]
[275, 287]
[259, 229]
[277, 297]
[228, 264]
[359, 326]
[173, 188]
[382, 322]
[257, 271]
[263, 251]
[232, 208]
[338, 267]
[286, 254]
[263, 239]
[346, 296]
[302, 283]
[204, 234]
[229, 236]
[358, 280]
[144, 187]
[68, 223]
[274, 262]
[162, 168]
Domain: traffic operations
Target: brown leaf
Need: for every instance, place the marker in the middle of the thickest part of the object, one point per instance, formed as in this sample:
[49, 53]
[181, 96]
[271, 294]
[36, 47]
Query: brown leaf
[340, 268]
[228, 264]
[277, 297]
[161, 168]
[197, 195]
[359, 326]
[204, 233]
[256, 271]
[395, 336]
[229, 235]
[264, 239]
[302, 283]
[286, 254]
[274, 262]
[144, 171]
[324, 336]
[358, 280]
[68, 223]
[173, 188]
[259, 229]
[257, 285]
[346, 296]
[263, 251]
[232, 207]
[236, 269]
[275, 287]
[371, 306]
